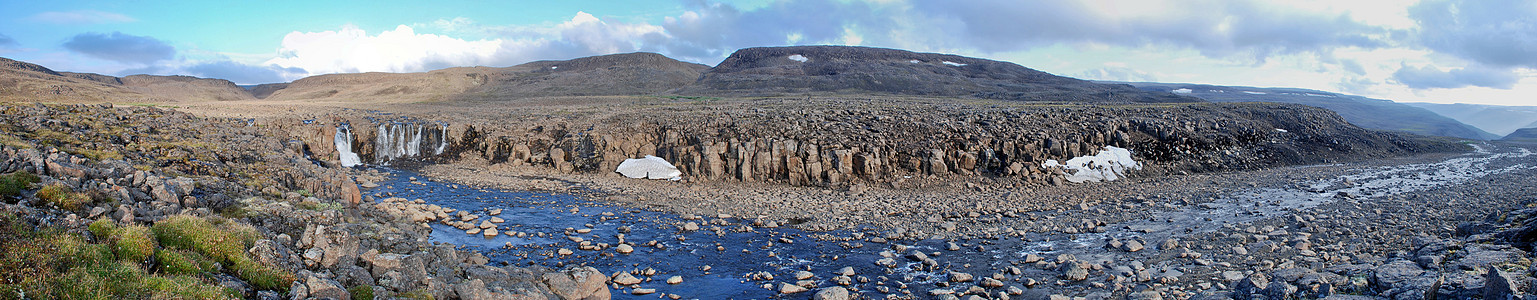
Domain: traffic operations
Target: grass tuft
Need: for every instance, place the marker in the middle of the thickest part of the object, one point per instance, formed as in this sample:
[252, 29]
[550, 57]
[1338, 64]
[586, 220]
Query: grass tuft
[361, 292]
[11, 185]
[133, 243]
[225, 244]
[63, 197]
[183, 262]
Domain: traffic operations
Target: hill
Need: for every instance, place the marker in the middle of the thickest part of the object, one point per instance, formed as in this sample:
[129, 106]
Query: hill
[617, 74]
[1522, 135]
[1365, 112]
[22, 81]
[1500, 120]
[843, 69]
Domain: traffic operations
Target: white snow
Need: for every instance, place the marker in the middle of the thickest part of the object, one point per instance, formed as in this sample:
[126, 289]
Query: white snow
[554, 67]
[915, 61]
[1280, 130]
[799, 58]
[1108, 165]
[1254, 93]
[1182, 91]
[650, 167]
[954, 64]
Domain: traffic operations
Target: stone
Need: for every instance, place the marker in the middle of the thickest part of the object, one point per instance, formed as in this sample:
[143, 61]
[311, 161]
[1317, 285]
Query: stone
[1075, 271]
[832, 293]
[1387, 275]
[1498, 285]
[845, 271]
[1032, 258]
[642, 291]
[990, 283]
[325, 288]
[1133, 246]
[960, 277]
[803, 275]
[624, 278]
[675, 279]
[690, 226]
[624, 249]
[786, 288]
[564, 252]
[473, 290]
[578, 283]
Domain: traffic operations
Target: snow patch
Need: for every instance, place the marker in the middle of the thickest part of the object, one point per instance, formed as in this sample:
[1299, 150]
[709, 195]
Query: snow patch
[650, 167]
[1109, 164]
[915, 61]
[799, 58]
[1280, 130]
[954, 64]
[554, 67]
[1254, 93]
[1182, 91]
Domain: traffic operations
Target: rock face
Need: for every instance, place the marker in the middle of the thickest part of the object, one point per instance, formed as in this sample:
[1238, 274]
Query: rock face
[802, 69]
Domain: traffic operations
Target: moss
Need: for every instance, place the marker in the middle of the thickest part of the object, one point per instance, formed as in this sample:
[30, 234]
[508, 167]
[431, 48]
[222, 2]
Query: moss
[263, 277]
[108, 281]
[186, 287]
[133, 243]
[415, 295]
[361, 292]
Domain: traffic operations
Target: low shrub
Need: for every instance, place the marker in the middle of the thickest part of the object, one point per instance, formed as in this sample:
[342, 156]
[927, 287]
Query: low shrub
[183, 262]
[133, 243]
[224, 243]
[361, 292]
[186, 287]
[63, 197]
[11, 185]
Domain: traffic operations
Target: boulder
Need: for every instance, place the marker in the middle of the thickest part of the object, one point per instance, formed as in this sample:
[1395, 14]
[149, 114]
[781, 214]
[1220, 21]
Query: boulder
[577, 283]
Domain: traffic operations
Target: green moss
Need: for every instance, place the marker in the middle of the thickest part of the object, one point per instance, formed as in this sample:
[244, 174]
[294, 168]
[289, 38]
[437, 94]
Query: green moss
[133, 243]
[107, 281]
[415, 295]
[186, 287]
[361, 292]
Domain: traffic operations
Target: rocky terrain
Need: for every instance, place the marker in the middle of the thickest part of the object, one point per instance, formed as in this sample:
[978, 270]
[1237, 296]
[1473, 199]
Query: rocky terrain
[301, 229]
[1361, 111]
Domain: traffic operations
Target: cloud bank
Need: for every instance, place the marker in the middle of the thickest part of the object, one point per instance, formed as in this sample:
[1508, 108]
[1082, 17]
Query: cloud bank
[121, 47]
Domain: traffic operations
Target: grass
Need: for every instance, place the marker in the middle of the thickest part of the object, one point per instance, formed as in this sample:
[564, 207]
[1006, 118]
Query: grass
[361, 292]
[63, 197]
[224, 243]
[183, 262]
[50, 263]
[11, 185]
[415, 295]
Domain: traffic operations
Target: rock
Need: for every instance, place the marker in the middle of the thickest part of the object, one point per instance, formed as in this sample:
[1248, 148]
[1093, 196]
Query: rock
[675, 279]
[1387, 275]
[1231, 276]
[1075, 271]
[990, 283]
[489, 233]
[1132, 246]
[690, 226]
[324, 288]
[578, 283]
[845, 271]
[832, 293]
[803, 275]
[786, 288]
[473, 290]
[1254, 284]
[959, 277]
[624, 249]
[564, 252]
[917, 255]
[1168, 244]
[1498, 285]
[642, 291]
[624, 278]
[1032, 258]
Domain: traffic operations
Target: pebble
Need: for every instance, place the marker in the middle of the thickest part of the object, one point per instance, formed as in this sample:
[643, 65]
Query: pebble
[803, 275]
[786, 288]
[564, 252]
[624, 249]
[675, 280]
[642, 291]
[624, 278]
[690, 226]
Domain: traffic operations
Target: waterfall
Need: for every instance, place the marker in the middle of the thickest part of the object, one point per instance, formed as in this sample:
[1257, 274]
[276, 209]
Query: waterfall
[344, 147]
[414, 148]
[442, 139]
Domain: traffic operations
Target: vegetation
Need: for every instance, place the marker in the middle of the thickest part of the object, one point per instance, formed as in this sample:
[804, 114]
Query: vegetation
[63, 197]
[49, 263]
[361, 292]
[11, 185]
[224, 243]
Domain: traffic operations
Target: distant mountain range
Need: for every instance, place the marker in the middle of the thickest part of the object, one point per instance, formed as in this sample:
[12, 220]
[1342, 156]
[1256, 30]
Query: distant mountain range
[764, 71]
[1362, 111]
[1500, 120]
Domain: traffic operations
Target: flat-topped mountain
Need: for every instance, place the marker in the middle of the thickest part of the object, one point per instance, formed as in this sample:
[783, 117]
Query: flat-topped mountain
[844, 69]
[22, 81]
[1522, 135]
[617, 74]
[1362, 111]
[1499, 120]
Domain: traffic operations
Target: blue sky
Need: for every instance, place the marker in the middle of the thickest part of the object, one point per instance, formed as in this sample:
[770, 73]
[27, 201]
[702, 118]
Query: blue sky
[1444, 51]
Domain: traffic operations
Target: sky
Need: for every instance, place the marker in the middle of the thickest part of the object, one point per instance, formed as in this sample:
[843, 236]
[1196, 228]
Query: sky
[1442, 51]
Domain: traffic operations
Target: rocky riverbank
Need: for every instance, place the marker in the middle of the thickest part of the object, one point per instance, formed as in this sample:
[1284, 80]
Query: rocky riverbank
[220, 191]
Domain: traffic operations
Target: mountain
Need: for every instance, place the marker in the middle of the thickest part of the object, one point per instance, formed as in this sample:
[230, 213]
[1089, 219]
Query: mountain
[1365, 112]
[1495, 119]
[617, 74]
[844, 69]
[261, 91]
[1522, 135]
[22, 81]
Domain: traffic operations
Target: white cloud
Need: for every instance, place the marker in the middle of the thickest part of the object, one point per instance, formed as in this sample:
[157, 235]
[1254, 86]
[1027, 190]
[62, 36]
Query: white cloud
[81, 17]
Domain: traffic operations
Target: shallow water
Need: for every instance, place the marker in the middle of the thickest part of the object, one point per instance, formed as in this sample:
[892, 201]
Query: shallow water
[783, 251]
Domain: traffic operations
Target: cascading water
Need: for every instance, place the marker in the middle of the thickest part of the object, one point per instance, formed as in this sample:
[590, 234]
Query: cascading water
[407, 139]
[344, 147]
